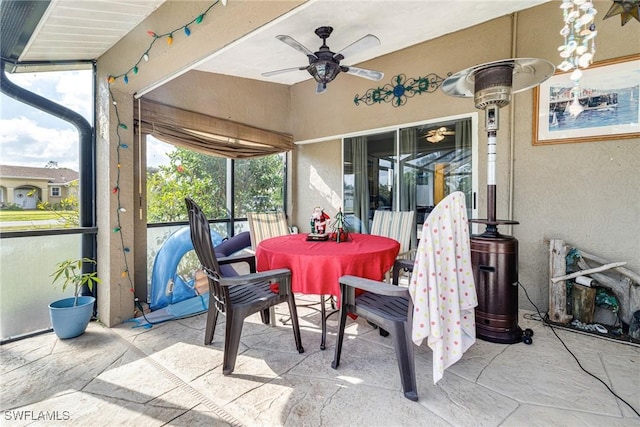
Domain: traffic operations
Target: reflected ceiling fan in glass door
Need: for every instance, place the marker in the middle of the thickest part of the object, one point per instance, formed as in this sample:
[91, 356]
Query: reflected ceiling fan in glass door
[436, 135]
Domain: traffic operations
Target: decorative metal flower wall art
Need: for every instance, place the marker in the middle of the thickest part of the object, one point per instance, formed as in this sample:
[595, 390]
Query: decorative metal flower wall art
[400, 89]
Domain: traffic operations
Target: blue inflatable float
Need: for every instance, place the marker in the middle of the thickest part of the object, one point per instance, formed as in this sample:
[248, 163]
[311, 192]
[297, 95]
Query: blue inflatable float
[171, 297]
[167, 286]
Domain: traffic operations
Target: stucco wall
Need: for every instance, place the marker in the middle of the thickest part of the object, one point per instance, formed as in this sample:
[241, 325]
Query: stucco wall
[252, 102]
[318, 181]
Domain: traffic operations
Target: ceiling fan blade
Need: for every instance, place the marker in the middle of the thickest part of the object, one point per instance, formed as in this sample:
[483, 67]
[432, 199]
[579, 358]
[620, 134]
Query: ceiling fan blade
[359, 45]
[285, 70]
[363, 72]
[295, 44]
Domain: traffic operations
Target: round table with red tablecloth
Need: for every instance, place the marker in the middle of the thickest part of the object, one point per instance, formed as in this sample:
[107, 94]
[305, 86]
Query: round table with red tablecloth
[316, 266]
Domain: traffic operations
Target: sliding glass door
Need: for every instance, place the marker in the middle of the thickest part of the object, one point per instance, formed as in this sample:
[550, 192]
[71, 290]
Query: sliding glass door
[407, 168]
[369, 177]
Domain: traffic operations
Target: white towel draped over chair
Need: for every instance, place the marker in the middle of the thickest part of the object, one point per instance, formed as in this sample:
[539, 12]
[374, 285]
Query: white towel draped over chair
[442, 286]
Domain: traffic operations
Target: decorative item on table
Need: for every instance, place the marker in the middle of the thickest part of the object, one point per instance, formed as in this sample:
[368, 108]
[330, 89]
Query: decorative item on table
[318, 225]
[339, 232]
[319, 221]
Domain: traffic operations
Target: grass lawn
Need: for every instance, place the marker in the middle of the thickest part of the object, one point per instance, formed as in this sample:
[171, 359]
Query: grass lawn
[25, 220]
[30, 215]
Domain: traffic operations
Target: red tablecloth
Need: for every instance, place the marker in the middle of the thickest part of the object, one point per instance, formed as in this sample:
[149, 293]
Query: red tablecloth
[317, 266]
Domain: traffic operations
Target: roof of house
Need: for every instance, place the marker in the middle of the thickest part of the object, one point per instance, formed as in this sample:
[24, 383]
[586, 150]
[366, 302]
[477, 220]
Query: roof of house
[52, 175]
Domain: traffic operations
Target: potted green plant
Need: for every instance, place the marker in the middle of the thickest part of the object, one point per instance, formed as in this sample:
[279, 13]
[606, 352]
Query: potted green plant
[70, 316]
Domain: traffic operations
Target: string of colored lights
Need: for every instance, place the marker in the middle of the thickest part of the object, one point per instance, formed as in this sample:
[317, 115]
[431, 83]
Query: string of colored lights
[169, 35]
[116, 191]
[122, 126]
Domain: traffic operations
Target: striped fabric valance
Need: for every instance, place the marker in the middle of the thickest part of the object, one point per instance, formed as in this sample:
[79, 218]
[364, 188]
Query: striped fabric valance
[207, 134]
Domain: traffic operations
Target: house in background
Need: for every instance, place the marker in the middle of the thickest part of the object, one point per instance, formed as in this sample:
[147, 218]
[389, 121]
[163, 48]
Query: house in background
[26, 186]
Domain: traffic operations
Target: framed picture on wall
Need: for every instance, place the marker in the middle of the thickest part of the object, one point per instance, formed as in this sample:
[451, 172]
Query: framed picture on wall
[608, 104]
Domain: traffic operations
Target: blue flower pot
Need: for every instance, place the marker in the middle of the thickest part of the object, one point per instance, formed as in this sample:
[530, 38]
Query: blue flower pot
[69, 321]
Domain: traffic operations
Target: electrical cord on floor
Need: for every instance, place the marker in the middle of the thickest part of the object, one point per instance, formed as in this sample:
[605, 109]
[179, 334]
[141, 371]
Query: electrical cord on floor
[150, 323]
[139, 305]
[545, 320]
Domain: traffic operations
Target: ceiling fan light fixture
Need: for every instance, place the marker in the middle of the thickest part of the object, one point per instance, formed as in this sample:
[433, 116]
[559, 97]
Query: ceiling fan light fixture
[436, 135]
[324, 71]
[435, 138]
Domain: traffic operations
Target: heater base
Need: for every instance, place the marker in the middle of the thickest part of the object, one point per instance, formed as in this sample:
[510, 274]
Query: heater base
[494, 259]
[499, 335]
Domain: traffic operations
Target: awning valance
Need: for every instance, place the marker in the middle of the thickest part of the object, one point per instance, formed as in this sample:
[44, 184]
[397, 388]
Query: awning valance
[207, 134]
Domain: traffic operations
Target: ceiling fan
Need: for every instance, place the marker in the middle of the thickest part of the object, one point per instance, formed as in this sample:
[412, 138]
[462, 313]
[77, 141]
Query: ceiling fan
[324, 65]
[437, 135]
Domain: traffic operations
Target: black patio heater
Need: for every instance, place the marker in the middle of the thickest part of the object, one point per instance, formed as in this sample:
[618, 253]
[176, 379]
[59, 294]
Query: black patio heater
[494, 256]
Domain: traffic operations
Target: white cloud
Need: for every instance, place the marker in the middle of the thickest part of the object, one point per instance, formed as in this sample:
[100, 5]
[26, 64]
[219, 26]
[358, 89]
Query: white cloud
[72, 89]
[75, 93]
[23, 142]
[157, 152]
[26, 80]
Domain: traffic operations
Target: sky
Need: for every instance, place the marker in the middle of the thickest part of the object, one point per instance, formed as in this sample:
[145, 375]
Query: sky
[30, 137]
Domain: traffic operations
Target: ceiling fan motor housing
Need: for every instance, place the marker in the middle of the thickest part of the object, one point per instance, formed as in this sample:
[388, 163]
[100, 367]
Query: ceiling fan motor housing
[493, 86]
[325, 66]
[324, 32]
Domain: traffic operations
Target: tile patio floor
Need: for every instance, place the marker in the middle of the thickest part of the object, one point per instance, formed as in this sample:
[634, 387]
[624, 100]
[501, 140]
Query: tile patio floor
[166, 376]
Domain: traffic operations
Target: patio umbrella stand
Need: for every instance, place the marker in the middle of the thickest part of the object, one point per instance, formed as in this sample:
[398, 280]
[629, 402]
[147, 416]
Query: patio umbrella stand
[494, 256]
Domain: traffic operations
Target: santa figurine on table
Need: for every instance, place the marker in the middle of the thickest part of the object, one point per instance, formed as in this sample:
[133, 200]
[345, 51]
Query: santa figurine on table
[319, 220]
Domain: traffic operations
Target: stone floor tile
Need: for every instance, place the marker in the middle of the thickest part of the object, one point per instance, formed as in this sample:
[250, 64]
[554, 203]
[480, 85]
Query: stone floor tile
[294, 400]
[476, 359]
[165, 375]
[253, 369]
[199, 416]
[464, 403]
[19, 353]
[189, 361]
[544, 373]
[361, 361]
[131, 378]
[168, 333]
[544, 416]
[70, 366]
